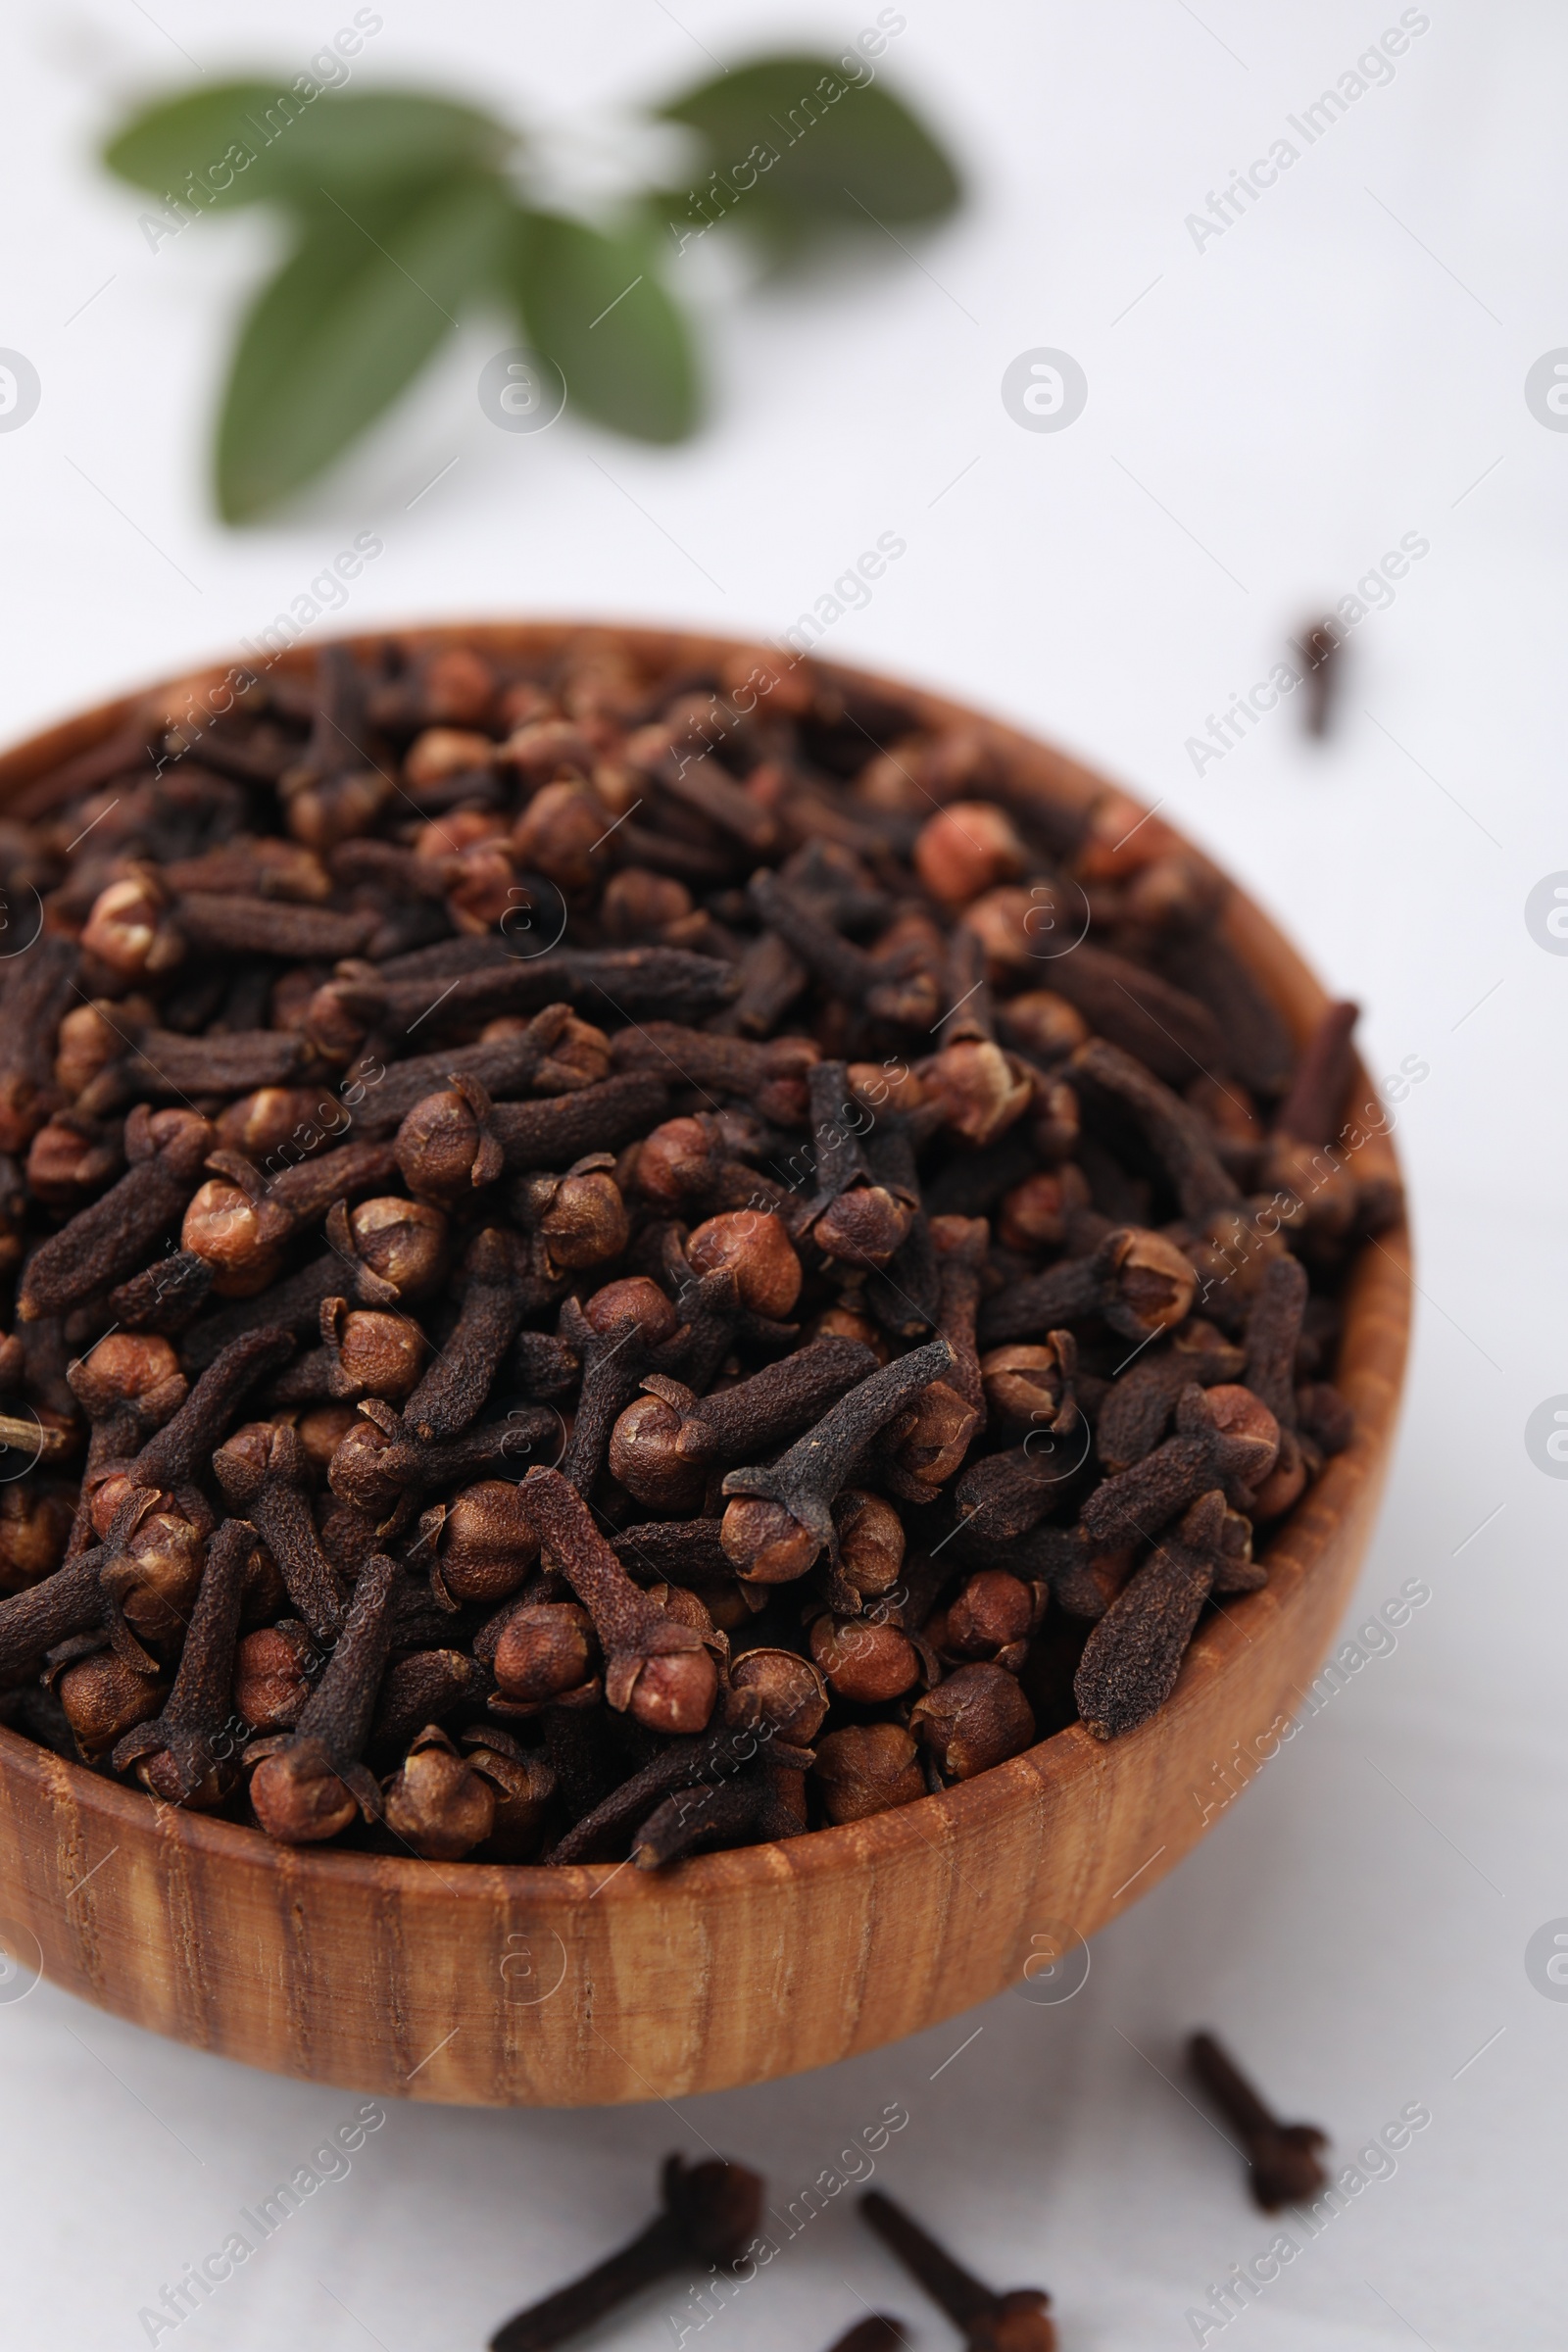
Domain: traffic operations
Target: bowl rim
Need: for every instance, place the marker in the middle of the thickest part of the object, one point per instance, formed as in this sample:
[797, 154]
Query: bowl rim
[1050, 1767]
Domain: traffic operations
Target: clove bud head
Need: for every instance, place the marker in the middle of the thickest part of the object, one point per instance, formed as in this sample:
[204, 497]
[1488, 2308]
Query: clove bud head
[978, 1717]
[992, 1611]
[298, 1798]
[865, 1225]
[157, 1576]
[127, 931]
[716, 2205]
[487, 1545]
[1284, 1483]
[1044, 1025]
[867, 1768]
[634, 1298]
[580, 1216]
[675, 1691]
[321, 1431]
[1000, 920]
[544, 1652]
[1236, 1413]
[67, 1159]
[933, 1444]
[765, 1542]
[162, 1777]
[679, 1161]
[842, 1322]
[104, 1697]
[110, 1494]
[1285, 2167]
[87, 1041]
[1024, 1383]
[523, 1785]
[1018, 2321]
[637, 904]
[645, 1454]
[437, 1149]
[356, 1475]
[376, 1354]
[1151, 1286]
[982, 1089]
[864, 1662]
[439, 1802]
[240, 1237]
[125, 1366]
[579, 1056]
[33, 1529]
[480, 880]
[967, 847]
[252, 1453]
[270, 1681]
[402, 1242]
[558, 833]
[790, 1691]
[871, 1541]
[1034, 1214]
[337, 808]
[262, 1122]
[751, 1245]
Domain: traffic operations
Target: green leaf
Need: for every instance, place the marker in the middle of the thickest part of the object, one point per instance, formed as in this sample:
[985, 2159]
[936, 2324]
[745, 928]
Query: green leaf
[248, 142]
[794, 138]
[590, 302]
[346, 324]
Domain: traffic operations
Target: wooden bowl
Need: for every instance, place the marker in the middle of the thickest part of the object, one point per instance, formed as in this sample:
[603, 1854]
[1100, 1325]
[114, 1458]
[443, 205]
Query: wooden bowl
[498, 1986]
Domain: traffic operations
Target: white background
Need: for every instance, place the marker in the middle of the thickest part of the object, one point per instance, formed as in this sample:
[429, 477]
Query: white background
[1344, 365]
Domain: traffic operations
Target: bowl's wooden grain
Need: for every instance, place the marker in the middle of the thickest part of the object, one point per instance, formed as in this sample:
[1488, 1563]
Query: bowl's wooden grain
[569, 1988]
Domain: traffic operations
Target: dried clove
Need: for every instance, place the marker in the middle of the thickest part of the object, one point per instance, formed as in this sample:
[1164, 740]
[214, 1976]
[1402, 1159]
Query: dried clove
[189, 1438]
[1283, 2167]
[883, 987]
[1138, 1282]
[1132, 1418]
[1310, 1112]
[454, 1391]
[691, 1767]
[781, 1517]
[1132, 1656]
[663, 1445]
[1322, 647]
[109, 1239]
[440, 1803]
[453, 1140]
[307, 1784]
[1179, 1138]
[264, 1473]
[773, 1078]
[1225, 1436]
[1013, 2322]
[653, 1665]
[747, 1811]
[1170, 1032]
[178, 1752]
[710, 2213]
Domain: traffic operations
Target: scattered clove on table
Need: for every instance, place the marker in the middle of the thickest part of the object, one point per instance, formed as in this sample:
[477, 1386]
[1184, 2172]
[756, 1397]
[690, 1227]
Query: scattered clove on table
[708, 2215]
[1281, 2159]
[1018, 2320]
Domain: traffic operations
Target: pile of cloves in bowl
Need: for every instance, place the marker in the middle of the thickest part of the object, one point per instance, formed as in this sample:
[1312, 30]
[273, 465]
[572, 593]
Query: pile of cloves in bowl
[615, 1260]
